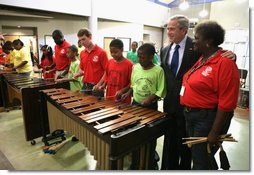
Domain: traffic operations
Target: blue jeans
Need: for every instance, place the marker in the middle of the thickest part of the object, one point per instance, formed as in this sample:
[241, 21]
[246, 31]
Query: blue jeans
[199, 124]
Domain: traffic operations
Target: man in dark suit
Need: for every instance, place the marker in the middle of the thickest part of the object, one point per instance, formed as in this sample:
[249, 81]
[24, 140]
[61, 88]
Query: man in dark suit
[176, 155]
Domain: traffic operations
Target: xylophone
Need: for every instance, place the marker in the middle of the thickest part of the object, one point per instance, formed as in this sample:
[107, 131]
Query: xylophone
[22, 90]
[2, 71]
[108, 129]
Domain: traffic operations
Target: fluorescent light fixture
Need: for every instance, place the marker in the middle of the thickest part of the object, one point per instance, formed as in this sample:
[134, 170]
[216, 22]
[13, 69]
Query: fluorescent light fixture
[203, 13]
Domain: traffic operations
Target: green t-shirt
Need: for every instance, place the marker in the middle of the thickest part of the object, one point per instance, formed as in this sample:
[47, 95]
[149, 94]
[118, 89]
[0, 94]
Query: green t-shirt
[156, 59]
[133, 56]
[147, 82]
[74, 68]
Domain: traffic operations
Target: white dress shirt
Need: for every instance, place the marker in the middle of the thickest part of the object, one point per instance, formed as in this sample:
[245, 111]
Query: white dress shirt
[180, 50]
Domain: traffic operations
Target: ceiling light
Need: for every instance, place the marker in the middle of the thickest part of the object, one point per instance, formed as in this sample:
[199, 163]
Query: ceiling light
[184, 5]
[203, 13]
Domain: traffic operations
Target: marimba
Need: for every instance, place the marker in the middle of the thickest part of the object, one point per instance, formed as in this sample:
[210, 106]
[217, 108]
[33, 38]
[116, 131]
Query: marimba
[21, 90]
[109, 129]
[2, 71]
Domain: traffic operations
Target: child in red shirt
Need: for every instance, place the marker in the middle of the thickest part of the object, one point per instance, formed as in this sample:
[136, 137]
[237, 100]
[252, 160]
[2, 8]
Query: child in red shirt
[117, 74]
[47, 60]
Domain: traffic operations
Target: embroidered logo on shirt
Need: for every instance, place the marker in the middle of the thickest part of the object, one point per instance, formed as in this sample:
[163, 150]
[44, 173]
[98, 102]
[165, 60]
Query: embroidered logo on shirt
[62, 51]
[95, 59]
[207, 71]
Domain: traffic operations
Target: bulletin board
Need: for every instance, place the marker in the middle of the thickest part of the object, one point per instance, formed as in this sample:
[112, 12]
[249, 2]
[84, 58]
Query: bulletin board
[126, 43]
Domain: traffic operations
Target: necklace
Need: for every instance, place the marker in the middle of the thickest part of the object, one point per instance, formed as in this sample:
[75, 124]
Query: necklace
[196, 67]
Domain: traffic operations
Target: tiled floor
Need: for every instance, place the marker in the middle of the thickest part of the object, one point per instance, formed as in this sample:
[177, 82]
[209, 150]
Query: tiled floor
[74, 156]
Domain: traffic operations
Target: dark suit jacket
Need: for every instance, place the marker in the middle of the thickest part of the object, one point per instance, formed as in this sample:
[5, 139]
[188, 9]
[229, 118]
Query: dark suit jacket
[171, 103]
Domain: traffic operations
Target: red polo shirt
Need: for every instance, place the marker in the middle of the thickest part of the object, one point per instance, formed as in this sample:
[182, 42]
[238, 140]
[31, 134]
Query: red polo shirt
[93, 64]
[215, 83]
[2, 60]
[62, 62]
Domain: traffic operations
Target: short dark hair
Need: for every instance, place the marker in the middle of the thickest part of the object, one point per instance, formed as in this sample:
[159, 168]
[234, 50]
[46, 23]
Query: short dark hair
[7, 45]
[57, 33]
[147, 48]
[135, 42]
[18, 41]
[211, 30]
[116, 43]
[44, 47]
[73, 48]
[84, 31]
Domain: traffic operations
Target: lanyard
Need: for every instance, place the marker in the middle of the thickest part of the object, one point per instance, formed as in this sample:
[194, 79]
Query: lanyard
[196, 67]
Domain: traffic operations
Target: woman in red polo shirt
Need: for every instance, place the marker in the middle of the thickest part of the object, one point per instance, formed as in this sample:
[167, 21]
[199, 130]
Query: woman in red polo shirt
[209, 92]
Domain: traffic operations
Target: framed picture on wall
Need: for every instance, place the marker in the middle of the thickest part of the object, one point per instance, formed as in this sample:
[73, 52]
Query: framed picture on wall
[106, 42]
[126, 43]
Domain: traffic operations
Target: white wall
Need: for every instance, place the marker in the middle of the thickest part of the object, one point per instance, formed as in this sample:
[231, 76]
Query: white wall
[118, 29]
[46, 27]
[235, 20]
[133, 31]
[137, 11]
[78, 7]
[155, 34]
[232, 14]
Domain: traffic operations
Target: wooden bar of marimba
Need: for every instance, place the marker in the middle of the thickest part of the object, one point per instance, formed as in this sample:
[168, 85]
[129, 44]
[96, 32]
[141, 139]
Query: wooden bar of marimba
[108, 129]
[20, 90]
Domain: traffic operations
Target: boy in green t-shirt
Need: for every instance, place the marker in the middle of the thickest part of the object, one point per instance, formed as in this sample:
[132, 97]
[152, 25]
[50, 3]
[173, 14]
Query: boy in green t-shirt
[147, 87]
[132, 55]
[147, 79]
[72, 53]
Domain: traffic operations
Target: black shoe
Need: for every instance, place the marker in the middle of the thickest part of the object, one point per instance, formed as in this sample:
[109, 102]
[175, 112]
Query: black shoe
[156, 167]
[133, 167]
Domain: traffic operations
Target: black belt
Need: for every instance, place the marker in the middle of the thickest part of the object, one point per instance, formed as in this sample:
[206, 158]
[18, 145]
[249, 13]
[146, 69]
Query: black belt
[190, 109]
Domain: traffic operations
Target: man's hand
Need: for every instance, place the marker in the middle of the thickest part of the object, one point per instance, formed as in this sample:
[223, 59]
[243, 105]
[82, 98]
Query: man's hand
[229, 54]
